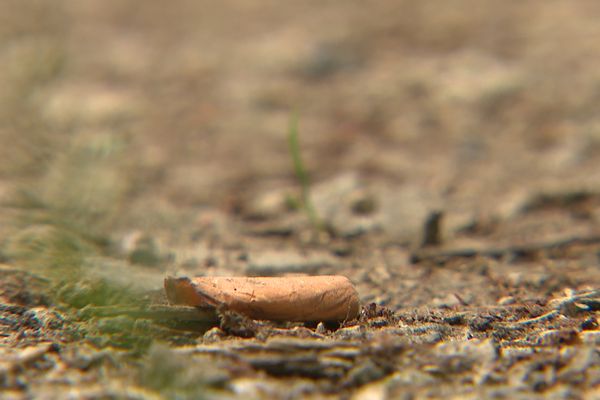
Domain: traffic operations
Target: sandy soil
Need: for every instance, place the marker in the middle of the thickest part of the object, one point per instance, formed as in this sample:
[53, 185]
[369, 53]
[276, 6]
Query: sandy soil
[141, 140]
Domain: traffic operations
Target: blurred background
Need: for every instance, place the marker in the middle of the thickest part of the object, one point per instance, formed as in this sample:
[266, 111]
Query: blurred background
[119, 115]
[146, 138]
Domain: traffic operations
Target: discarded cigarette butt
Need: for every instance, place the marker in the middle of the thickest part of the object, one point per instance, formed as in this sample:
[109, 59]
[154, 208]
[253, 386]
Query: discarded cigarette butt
[297, 298]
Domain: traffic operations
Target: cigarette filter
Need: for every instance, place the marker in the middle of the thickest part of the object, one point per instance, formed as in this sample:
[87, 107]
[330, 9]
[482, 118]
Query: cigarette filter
[298, 298]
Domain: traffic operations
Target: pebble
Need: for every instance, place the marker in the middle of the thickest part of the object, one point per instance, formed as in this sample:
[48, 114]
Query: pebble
[213, 335]
[321, 330]
[506, 300]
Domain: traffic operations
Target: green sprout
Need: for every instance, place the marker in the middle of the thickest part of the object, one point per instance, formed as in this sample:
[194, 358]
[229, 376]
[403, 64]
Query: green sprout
[301, 173]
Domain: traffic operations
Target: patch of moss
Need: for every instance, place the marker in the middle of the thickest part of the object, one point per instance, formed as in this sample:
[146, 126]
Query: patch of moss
[180, 376]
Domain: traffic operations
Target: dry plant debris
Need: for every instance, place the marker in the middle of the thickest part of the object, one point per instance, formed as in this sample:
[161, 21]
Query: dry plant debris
[170, 131]
[299, 298]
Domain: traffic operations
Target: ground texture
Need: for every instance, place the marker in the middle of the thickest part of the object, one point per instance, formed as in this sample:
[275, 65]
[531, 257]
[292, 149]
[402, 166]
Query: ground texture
[453, 152]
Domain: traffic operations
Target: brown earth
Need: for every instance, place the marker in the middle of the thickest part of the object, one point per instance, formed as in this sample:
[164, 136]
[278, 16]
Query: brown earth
[141, 140]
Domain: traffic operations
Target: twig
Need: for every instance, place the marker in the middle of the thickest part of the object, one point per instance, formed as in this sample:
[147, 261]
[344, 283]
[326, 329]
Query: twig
[567, 305]
[542, 318]
[442, 256]
[33, 353]
[25, 357]
[574, 303]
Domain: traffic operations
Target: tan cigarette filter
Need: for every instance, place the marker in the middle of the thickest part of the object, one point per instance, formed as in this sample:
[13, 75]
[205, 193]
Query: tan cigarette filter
[297, 298]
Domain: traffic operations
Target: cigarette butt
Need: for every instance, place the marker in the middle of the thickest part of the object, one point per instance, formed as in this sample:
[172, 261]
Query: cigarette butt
[298, 298]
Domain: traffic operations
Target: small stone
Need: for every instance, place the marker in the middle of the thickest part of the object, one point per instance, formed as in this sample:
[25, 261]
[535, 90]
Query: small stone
[590, 324]
[270, 203]
[213, 335]
[364, 206]
[352, 333]
[480, 324]
[446, 302]
[321, 330]
[506, 300]
[457, 319]
[143, 250]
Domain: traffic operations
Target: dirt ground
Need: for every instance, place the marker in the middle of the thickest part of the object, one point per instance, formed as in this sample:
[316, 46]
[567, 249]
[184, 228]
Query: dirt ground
[141, 140]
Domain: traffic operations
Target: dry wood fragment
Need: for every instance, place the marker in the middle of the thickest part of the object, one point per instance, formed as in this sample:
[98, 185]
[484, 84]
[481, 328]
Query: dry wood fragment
[569, 305]
[299, 298]
[518, 251]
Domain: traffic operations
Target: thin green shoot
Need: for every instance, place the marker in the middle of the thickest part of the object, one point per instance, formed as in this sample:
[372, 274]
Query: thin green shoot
[301, 172]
